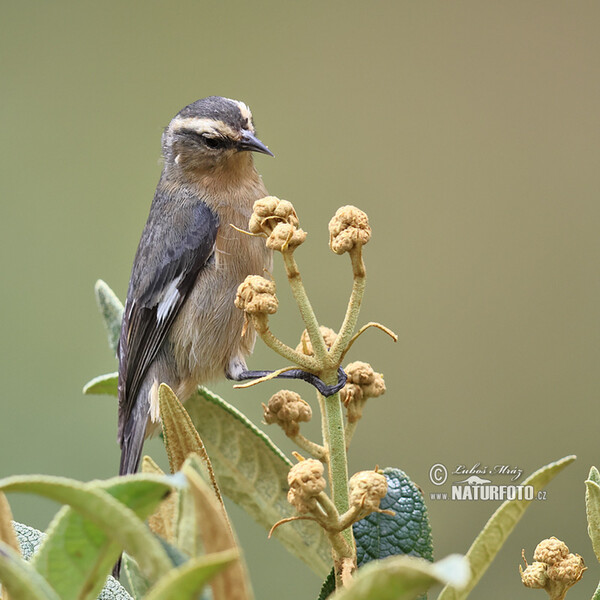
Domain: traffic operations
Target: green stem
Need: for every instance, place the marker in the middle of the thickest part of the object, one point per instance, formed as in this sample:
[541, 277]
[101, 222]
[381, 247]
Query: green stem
[306, 362]
[358, 289]
[306, 311]
[333, 436]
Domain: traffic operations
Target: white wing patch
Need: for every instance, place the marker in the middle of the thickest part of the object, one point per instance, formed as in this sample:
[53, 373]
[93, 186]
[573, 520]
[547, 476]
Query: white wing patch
[170, 298]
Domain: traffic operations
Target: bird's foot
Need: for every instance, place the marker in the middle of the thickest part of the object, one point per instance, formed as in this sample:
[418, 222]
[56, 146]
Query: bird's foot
[321, 386]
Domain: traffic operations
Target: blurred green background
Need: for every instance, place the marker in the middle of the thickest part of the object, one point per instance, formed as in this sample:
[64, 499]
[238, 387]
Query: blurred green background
[469, 132]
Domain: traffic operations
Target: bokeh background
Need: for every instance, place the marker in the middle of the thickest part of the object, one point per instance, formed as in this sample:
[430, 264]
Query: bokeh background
[470, 133]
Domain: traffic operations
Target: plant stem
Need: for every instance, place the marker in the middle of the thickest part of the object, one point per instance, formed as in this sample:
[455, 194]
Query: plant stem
[358, 288]
[306, 311]
[335, 444]
[306, 362]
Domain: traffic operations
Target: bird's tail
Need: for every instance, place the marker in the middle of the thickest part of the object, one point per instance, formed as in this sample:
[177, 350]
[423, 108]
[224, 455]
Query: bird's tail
[132, 441]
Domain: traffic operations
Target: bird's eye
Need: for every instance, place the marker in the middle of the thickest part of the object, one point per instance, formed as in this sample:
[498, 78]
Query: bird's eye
[212, 142]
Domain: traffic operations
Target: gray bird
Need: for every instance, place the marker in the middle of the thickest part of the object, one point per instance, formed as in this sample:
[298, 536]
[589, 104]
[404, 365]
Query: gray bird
[180, 324]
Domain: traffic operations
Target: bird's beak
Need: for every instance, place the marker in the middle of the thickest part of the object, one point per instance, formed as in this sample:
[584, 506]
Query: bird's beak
[251, 143]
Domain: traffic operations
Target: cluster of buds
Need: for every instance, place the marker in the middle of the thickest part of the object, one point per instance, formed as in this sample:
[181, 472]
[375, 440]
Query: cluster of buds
[288, 410]
[305, 345]
[277, 221]
[349, 228]
[554, 569]
[363, 383]
[306, 482]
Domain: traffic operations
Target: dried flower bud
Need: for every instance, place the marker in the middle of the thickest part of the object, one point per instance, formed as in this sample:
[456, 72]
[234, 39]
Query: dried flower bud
[362, 383]
[554, 569]
[568, 571]
[534, 576]
[550, 551]
[367, 488]
[285, 236]
[277, 220]
[256, 295]
[288, 410]
[348, 228]
[306, 482]
[305, 345]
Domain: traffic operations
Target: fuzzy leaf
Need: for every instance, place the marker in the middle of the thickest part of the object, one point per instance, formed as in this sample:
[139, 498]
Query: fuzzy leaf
[403, 578]
[95, 504]
[592, 509]
[112, 312]
[252, 471]
[103, 384]
[76, 555]
[181, 437]
[487, 544]
[406, 532]
[163, 521]
[138, 584]
[185, 582]
[217, 536]
[20, 579]
[594, 475]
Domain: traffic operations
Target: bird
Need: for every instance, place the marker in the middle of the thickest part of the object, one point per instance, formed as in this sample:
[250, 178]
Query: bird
[180, 325]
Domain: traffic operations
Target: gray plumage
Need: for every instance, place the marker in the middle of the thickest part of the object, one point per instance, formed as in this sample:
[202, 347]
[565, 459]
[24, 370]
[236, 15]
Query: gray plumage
[180, 324]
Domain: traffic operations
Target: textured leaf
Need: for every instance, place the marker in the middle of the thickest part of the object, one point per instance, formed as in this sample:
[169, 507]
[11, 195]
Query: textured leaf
[328, 586]
[31, 539]
[104, 511]
[487, 544]
[112, 312]
[20, 579]
[76, 555]
[217, 536]
[252, 471]
[594, 475]
[403, 578]
[406, 532]
[138, 584]
[185, 582]
[592, 509]
[103, 384]
[163, 521]
[181, 437]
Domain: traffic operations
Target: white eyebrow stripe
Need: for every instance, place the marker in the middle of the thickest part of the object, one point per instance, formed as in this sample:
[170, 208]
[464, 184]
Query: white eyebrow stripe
[203, 126]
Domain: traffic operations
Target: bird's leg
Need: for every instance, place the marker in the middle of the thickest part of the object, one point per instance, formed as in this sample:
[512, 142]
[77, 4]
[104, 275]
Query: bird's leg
[320, 385]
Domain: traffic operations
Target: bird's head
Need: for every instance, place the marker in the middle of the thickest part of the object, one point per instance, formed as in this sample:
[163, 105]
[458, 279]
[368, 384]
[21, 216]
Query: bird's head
[212, 133]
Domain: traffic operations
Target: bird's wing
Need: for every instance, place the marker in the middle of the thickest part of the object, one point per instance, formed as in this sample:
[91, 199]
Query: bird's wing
[171, 254]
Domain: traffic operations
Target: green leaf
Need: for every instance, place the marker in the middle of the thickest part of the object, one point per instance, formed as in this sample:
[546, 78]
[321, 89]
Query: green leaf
[487, 544]
[406, 532]
[594, 475]
[592, 509]
[98, 506]
[217, 535]
[76, 555]
[21, 580]
[185, 582]
[328, 586]
[103, 384]
[403, 578]
[252, 471]
[138, 584]
[112, 312]
[181, 437]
